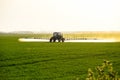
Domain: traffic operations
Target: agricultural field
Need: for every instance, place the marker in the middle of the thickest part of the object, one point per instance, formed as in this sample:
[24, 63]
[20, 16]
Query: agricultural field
[53, 61]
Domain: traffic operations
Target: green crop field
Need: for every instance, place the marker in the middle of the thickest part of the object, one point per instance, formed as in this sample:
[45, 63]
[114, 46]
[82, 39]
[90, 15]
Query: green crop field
[53, 61]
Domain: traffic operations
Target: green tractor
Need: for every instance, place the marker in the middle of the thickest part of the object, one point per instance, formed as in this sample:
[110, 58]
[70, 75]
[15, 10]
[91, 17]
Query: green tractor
[57, 36]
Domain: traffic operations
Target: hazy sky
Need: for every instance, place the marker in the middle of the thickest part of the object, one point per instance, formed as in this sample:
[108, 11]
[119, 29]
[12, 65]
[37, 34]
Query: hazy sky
[59, 15]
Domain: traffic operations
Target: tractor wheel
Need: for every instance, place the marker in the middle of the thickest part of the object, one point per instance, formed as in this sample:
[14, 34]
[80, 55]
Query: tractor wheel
[59, 40]
[63, 39]
[51, 39]
[54, 40]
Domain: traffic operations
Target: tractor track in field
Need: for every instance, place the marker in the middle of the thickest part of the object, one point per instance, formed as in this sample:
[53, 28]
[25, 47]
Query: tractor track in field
[25, 63]
[33, 61]
[36, 61]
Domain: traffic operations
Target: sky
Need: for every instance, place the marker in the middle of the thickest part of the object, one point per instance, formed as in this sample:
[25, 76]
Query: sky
[59, 15]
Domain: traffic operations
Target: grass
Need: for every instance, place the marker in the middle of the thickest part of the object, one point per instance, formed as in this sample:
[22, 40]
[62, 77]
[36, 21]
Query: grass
[53, 61]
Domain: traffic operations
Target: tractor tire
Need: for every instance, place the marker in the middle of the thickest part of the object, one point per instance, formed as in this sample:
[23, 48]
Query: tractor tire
[63, 39]
[51, 39]
[59, 40]
[54, 40]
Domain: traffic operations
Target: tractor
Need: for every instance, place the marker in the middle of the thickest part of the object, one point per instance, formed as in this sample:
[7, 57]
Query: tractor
[57, 36]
